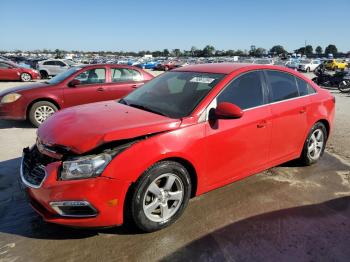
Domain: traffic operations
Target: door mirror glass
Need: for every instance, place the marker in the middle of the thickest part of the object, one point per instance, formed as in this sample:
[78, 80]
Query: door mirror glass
[225, 110]
[74, 83]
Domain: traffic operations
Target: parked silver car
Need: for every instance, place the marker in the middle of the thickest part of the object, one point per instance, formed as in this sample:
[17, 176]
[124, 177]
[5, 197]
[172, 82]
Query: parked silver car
[54, 67]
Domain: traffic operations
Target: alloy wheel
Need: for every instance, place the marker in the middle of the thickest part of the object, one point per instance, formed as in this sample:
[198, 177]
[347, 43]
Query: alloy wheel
[25, 77]
[163, 197]
[316, 144]
[42, 113]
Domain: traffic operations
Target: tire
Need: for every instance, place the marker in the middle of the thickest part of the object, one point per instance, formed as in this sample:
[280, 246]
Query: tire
[25, 77]
[308, 70]
[344, 86]
[44, 74]
[40, 111]
[312, 151]
[153, 193]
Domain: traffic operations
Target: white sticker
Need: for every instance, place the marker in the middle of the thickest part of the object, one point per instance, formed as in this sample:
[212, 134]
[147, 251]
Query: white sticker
[203, 80]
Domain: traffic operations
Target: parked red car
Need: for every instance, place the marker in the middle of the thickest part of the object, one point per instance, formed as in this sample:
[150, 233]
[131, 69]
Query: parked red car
[78, 85]
[12, 71]
[182, 134]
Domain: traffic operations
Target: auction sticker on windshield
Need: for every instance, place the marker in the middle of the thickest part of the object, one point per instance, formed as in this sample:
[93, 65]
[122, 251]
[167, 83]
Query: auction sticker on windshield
[203, 80]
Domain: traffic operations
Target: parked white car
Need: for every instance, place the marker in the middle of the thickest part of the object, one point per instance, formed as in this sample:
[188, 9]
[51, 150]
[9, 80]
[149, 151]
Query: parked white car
[54, 67]
[309, 65]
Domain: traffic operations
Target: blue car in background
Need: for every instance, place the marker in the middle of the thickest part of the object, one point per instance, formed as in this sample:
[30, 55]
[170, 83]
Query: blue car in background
[148, 64]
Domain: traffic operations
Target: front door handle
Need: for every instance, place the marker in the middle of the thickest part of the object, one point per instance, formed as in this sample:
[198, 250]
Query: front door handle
[100, 89]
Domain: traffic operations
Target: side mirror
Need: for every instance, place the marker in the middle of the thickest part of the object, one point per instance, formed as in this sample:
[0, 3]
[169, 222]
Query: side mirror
[226, 110]
[74, 83]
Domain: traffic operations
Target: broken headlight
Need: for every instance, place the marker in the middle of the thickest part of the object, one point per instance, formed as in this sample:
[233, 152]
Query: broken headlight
[85, 167]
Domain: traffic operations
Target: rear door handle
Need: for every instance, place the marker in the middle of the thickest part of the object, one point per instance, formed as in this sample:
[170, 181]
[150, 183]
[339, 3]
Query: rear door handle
[302, 111]
[262, 124]
[100, 89]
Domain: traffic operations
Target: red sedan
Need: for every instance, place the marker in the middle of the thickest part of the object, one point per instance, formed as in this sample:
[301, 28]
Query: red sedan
[78, 85]
[188, 131]
[12, 71]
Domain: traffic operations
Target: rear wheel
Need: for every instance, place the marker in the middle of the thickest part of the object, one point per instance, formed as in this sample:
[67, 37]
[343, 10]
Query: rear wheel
[308, 70]
[44, 74]
[314, 145]
[25, 77]
[344, 86]
[40, 111]
[160, 196]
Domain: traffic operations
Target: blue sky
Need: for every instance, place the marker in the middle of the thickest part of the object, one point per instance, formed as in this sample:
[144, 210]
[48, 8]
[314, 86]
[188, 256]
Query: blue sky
[155, 25]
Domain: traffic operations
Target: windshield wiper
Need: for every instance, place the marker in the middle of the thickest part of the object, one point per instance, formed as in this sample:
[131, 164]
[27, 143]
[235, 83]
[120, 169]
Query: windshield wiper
[123, 101]
[147, 109]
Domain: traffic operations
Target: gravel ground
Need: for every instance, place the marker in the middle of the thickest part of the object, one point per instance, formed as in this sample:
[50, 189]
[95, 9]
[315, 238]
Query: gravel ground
[287, 213]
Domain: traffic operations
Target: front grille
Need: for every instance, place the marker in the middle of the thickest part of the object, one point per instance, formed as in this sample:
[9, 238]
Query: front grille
[33, 167]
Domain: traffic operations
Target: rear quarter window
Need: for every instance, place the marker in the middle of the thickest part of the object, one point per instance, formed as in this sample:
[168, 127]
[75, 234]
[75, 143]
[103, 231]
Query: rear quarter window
[304, 87]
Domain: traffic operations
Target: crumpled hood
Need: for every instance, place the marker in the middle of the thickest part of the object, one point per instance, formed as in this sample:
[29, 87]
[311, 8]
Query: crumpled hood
[83, 128]
[23, 88]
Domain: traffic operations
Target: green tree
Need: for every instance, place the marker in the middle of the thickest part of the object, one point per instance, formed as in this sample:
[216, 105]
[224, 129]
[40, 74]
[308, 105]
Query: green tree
[309, 50]
[193, 50]
[59, 54]
[166, 52]
[208, 50]
[177, 52]
[331, 49]
[319, 50]
[278, 50]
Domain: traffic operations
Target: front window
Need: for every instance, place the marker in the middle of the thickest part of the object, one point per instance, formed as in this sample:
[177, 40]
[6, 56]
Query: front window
[92, 76]
[60, 77]
[173, 94]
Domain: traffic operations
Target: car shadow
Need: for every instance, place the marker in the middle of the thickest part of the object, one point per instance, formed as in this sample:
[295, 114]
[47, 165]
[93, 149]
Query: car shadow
[4, 124]
[318, 232]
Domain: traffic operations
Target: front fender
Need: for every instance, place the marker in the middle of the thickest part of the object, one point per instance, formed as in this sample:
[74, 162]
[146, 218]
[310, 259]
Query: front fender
[185, 143]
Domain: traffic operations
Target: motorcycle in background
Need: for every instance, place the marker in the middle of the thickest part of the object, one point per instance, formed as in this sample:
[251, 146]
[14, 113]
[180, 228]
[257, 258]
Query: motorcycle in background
[340, 79]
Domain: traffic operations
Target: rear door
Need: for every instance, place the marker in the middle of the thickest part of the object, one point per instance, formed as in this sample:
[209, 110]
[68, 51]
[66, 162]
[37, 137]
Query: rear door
[60, 67]
[123, 81]
[8, 72]
[289, 115]
[92, 88]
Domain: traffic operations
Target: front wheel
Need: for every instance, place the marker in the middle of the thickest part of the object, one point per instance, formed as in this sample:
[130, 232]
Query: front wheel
[25, 77]
[40, 111]
[314, 145]
[161, 195]
[344, 86]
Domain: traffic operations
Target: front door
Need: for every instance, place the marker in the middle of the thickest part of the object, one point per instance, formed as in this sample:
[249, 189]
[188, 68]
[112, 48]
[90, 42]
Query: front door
[238, 147]
[92, 88]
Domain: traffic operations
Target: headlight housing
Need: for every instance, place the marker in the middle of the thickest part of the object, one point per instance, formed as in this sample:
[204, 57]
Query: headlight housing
[9, 98]
[85, 167]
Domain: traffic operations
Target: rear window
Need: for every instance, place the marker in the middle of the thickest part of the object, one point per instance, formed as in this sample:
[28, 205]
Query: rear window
[282, 86]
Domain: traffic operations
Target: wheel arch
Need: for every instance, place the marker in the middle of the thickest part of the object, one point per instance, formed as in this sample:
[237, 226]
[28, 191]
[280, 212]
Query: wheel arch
[46, 99]
[326, 124]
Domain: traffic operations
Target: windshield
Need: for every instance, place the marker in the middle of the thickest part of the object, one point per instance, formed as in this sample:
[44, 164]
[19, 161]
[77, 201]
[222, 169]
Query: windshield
[60, 77]
[69, 62]
[173, 94]
[305, 61]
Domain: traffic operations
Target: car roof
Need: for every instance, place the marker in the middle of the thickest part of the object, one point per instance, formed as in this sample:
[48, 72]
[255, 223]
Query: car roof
[225, 68]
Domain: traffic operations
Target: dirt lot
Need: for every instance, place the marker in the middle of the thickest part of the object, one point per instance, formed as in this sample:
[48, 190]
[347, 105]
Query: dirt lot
[287, 213]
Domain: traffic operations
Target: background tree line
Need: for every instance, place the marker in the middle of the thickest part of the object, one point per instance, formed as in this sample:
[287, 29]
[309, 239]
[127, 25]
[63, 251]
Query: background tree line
[207, 51]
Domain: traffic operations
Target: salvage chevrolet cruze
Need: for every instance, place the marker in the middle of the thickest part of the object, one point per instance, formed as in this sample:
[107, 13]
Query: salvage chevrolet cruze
[182, 134]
